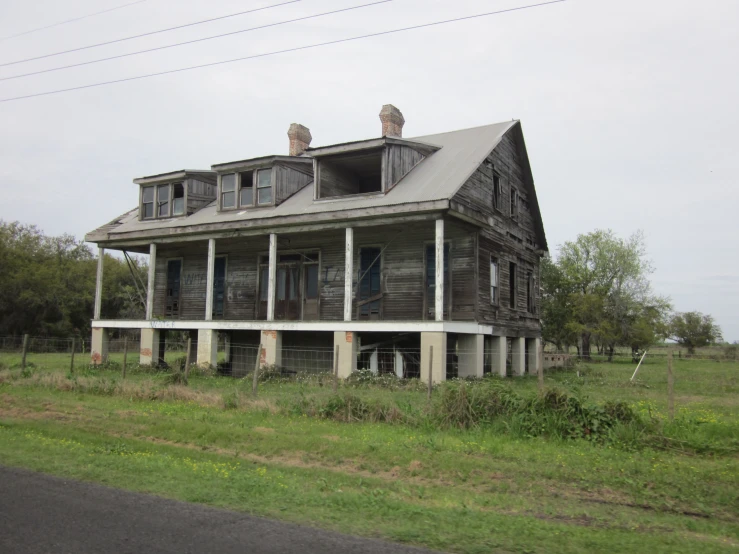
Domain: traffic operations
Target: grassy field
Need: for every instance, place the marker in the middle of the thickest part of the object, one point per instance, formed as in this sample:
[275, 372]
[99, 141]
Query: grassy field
[497, 486]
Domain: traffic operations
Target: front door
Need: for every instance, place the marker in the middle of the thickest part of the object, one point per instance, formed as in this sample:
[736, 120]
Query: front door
[310, 292]
[174, 275]
[287, 293]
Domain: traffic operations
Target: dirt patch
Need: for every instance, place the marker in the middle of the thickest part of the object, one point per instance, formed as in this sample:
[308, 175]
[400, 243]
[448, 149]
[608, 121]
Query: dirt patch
[415, 465]
[332, 438]
[264, 430]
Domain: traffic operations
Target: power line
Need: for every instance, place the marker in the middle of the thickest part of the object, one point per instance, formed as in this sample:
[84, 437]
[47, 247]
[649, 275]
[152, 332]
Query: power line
[149, 33]
[72, 20]
[287, 50]
[60, 68]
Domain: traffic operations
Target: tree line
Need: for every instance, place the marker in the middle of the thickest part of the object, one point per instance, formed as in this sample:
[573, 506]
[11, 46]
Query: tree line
[47, 284]
[596, 293]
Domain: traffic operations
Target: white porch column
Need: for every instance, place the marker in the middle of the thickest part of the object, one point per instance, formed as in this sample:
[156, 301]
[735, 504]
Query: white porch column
[348, 273]
[439, 304]
[150, 285]
[499, 352]
[210, 277]
[533, 347]
[272, 277]
[471, 355]
[99, 284]
[518, 356]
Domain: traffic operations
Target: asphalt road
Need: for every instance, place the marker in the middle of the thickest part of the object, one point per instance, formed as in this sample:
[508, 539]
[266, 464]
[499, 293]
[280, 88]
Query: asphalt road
[40, 513]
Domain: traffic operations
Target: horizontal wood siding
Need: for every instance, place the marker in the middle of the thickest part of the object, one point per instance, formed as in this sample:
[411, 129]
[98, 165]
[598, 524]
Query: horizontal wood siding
[289, 181]
[400, 161]
[505, 238]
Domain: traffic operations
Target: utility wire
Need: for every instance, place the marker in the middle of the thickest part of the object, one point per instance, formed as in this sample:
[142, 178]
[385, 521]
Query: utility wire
[72, 20]
[150, 33]
[287, 50]
[60, 68]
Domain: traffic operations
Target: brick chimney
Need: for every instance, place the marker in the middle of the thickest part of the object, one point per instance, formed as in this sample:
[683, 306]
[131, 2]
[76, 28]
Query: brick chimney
[392, 121]
[300, 138]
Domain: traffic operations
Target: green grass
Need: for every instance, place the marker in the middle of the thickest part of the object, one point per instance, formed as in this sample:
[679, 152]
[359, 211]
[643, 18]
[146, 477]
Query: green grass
[479, 490]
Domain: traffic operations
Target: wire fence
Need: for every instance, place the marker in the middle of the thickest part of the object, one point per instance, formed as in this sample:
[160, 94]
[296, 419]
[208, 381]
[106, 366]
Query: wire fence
[403, 361]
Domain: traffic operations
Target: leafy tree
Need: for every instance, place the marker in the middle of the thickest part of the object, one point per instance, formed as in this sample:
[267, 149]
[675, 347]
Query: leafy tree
[47, 284]
[694, 330]
[598, 292]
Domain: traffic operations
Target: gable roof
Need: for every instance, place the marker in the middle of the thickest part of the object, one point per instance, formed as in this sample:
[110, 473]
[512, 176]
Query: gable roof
[437, 178]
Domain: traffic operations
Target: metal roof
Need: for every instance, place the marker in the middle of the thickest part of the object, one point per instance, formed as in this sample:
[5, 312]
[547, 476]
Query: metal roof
[437, 177]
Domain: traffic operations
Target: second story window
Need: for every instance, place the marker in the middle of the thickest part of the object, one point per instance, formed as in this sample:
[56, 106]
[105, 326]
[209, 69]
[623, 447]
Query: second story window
[514, 203]
[264, 186]
[178, 199]
[493, 281]
[163, 201]
[147, 202]
[246, 193]
[228, 191]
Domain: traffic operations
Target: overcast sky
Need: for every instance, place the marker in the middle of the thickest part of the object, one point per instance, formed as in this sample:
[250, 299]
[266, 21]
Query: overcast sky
[628, 108]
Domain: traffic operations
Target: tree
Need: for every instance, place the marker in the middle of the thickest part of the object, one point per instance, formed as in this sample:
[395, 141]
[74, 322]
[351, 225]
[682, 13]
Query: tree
[598, 291]
[47, 284]
[694, 330]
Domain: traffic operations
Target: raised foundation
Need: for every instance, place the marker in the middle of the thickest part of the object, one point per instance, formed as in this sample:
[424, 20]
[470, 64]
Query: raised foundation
[271, 354]
[99, 349]
[518, 356]
[499, 355]
[207, 348]
[532, 353]
[148, 352]
[471, 355]
[437, 360]
[346, 341]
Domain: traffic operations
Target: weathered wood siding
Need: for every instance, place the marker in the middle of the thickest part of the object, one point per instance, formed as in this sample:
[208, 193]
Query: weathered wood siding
[505, 238]
[288, 181]
[400, 160]
[402, 271]
[200, 193]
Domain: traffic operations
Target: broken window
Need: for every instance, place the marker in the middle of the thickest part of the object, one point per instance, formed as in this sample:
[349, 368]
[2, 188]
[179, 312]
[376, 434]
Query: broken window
[512, 285]
[246, 192]
[228, 191]
[370, 295]
[147, 202]
[493, 281]
[496, 192]
[264, 186]
[530, 293]
[178, 199]
[349, 174]
[163, 200]
[514, 203]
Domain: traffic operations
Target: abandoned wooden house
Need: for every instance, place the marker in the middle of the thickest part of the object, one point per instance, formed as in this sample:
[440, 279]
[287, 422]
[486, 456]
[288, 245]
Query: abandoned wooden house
[403, 255]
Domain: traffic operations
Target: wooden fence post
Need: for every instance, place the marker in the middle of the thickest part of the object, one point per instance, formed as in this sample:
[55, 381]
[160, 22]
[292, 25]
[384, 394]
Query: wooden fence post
[125, 356]
[431, 370]
[257, 365]
[336, 368]
[25, 350]
[540, 365]
[71, 364]
[670, 388]
[187, 358]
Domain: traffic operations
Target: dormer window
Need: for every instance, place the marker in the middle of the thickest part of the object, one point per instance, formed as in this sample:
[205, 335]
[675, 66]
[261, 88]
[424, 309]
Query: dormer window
[264, 186]
[238, 189]
[162, 201]
[175, 194]
[228, 191]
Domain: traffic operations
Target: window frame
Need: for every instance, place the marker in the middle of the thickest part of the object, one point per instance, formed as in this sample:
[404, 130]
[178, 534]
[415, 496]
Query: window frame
[494, 287]
[181, 259]
[225, 288]
[156, 202]
[513, 285]
[239, 182]
[530, 288]
[514, 209]
[496, 192]
[357, 257]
